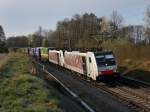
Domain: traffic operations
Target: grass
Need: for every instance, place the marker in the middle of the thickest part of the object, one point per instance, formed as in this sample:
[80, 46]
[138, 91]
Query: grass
[22, 92]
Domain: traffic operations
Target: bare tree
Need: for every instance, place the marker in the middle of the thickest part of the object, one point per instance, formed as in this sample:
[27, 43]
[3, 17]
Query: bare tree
[116, 24]
[103, 33]
[147, 19]
[116, 20]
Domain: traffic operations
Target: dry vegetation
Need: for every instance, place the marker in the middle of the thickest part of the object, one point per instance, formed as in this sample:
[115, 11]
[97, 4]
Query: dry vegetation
[133, 60]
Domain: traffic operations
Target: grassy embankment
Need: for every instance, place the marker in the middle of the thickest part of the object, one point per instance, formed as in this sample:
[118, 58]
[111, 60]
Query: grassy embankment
[133, 60]
[22, 92]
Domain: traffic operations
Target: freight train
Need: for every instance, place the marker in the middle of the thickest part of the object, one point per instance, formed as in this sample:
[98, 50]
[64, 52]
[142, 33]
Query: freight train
[93, 65]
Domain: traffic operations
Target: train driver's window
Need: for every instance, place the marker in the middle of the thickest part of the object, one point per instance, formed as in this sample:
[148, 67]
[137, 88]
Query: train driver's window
[90, 60]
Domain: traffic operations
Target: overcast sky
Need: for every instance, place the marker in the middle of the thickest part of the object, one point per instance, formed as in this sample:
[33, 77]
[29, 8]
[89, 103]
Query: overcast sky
[22, 17]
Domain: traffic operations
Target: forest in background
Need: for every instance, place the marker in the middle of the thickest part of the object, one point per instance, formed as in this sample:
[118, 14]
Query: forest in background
[88, 31]
[85, 31]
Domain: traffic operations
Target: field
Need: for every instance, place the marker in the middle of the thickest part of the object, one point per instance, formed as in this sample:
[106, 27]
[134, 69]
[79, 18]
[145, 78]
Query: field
[23, 92]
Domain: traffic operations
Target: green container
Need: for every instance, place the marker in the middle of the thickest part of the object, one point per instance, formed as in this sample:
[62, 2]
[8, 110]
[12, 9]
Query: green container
[44, 53]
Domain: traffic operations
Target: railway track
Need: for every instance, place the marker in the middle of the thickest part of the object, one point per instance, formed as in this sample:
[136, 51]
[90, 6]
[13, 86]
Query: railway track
[86, 107]
[134, 94]
[137, 97]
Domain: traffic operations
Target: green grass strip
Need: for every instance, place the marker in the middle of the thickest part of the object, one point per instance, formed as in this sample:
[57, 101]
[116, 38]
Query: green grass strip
[22, 92]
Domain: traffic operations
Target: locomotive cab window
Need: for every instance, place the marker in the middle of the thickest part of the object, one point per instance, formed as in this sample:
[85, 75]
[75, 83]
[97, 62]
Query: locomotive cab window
[100, 60]
[105, 59]
[90, 60]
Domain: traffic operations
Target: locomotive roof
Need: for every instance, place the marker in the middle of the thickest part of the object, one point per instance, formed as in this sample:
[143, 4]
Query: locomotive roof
[103, 53]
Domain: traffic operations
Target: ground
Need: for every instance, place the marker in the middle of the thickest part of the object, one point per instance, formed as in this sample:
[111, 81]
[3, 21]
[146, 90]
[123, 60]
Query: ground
[139, 70]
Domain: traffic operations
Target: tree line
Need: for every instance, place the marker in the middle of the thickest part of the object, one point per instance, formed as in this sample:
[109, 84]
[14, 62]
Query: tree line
[79, 31]
[84, 31]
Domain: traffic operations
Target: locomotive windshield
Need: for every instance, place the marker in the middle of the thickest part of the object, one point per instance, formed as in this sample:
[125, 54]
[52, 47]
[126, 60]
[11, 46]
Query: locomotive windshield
[105, 59]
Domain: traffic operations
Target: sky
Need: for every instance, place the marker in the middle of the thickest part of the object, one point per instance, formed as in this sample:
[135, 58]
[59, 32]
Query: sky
[22, 17]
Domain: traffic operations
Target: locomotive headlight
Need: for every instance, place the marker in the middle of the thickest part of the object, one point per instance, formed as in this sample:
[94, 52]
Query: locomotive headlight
[114, 70]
